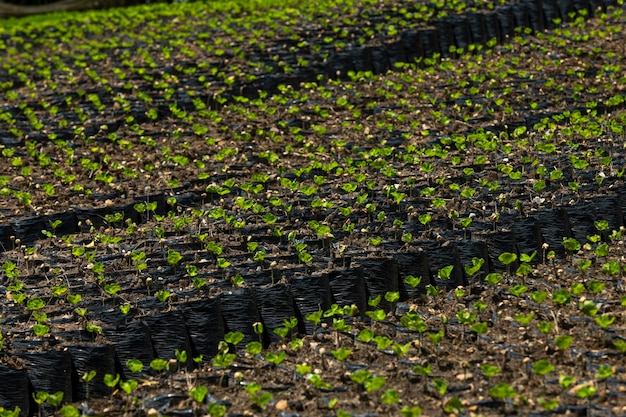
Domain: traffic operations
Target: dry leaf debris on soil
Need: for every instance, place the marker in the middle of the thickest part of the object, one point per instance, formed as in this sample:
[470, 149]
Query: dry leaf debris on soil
[466, 210]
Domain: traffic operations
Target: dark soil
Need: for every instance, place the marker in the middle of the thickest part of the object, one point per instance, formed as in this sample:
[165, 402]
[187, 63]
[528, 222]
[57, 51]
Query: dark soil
[293, 174]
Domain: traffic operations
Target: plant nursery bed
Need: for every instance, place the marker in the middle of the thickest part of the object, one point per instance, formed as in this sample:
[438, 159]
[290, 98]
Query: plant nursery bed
[357, 208]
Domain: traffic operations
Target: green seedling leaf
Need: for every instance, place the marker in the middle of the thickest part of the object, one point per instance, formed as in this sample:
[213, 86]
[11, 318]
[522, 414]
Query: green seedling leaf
[588, 307]
[40, 397]
[198, 393]
[134, 365]
[604, 320]
[341, 354]
[158, 364]
[480, 328]
[216, 410]
[596, 287]
[41, 329]
[234, 338]
[315, 317]
[374, 383]
[543, 367]
[441, 386]
[111, 380]
[55, 399]
[518, 290]
[181, 356]
[436, 338]
[548, 404]
[577, 288]
[303, 369]
[392, 296]
[374, 301]
[88, 376]
[365, 335]
[538, 296]
[493, 278]
[412, 281]
[489, 370]
[570, 244]
[565, 381]
[545, 327]
[605, 371]
[507, 258]
[414, 411]
[360, 376]
[586, 391]
[275, 359]
[425, 370]
[563, 341]
[445, 272]
[69, 411]
[390, 397]
[453, 406]
[254, 348]
[562, 296]
[35, 304]
[502, 391]
[524, 320]
[125, 308]
[376, 315]
[129, 386]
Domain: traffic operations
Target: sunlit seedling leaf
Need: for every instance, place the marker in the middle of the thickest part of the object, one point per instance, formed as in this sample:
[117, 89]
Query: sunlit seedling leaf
[414, 411]
[586, 391]
[412, 281]
[480, 328]
[538, 296]
[158, 364]
[577, 288]
[596, 287]
[489, 370]
[548, 404]
[69, 411]
[303, 369]
[518, 290]
[365, 335]
[563, 341]
[453, 406]
[605, 371]
[620, 345]
[493, 278]
[198, 393]
[376, 315]
[425, 370]
[435, 338]
[604, 320]
[507, 258]
[589, 308]
[129, 386]
[543, 367]
[562, 296]
[254, 348]
[502, 391]
[233, 338]
[390, 397]
[445, 272]
[565, 381]
[571, 245]
[134, 365]
[441, 386]
[392, 296]
[374, 383]
[275, 359]
[111, 380]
